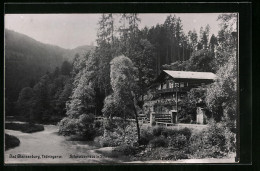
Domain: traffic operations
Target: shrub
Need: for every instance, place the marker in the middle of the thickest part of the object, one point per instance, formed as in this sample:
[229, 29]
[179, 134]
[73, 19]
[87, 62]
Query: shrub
[157, 131]
[159, 153]
[169, 132]
[85, 126]
[186, 132]
[177, 155]
[179, 141]
[99, 128]
[11, 141]
[81, 126]
[118, 136]
[106, 141]
[215, 141]
[159, 142]
[67, 126]
[145, 137]
[126, 149]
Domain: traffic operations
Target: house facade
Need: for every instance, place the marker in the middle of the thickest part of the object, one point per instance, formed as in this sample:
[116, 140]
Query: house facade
[169, 89]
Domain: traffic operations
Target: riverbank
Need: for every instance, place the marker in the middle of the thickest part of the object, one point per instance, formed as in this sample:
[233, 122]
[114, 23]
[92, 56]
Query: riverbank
[48, 147]
[24, 127]
[11, 141]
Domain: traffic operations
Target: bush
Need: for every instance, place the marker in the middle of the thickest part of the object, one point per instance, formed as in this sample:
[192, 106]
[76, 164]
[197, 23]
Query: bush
[67, 126]
[82, 126]
[179, 141]
[157, 131]
[145, 137]
[126, 149]
[186, 132]
[106, 141]
[85, 126]
[176, 155]
[11, 141]
[215, 141]
[99, 128]
[159, 142]
[169, 132]
[119, 136]
[26, 128]
[159, 153]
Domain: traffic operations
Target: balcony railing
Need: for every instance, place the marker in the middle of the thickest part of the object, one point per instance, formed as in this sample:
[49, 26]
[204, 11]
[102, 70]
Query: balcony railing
[178, 89]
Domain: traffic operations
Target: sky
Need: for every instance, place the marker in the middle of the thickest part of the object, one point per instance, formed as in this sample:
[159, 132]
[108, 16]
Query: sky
[73, 30]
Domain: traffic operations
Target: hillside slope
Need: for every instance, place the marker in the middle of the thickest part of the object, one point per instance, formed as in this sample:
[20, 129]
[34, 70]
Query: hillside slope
[27, 59]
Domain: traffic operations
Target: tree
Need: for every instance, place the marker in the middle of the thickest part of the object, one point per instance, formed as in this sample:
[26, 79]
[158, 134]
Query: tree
[81, 106]
[82, 98]
[123, 84]
[213, 43]
[66, 68]
[202, 61]
[41, 100]
[204, 36]
[222, 95]
[193, 39]
[24, 102]
[227, 38]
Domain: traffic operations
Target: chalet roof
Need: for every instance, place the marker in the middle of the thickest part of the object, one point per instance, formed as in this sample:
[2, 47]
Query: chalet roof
[191, 75]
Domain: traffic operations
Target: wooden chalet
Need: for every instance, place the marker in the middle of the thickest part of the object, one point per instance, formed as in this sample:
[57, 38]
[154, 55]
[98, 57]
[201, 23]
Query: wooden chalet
[169, 89]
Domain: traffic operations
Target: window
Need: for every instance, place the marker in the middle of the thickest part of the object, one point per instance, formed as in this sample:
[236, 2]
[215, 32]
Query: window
[164, 86]
[159, 87]
[177, 85]
[170, 84]
[182, 84]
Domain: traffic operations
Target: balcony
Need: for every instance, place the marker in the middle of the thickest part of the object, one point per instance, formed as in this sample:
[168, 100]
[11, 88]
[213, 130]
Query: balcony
[175, 89]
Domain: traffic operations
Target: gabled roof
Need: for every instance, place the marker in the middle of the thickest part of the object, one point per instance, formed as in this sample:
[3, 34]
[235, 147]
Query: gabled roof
[191, 75]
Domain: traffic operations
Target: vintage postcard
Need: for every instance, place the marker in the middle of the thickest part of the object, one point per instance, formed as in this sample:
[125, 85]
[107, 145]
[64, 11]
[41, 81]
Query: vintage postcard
[121, 88]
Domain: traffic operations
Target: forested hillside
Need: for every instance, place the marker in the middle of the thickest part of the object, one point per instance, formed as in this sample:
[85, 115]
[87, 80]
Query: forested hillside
[26, 60]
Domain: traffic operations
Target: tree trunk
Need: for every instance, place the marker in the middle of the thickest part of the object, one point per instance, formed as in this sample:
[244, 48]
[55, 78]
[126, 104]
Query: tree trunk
[136, 119]
[137, 124]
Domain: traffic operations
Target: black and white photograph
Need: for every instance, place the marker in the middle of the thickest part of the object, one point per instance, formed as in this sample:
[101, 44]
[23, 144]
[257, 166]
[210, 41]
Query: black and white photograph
[119, 88]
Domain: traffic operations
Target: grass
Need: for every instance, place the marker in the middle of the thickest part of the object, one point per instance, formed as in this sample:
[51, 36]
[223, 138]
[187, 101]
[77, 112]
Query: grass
[26, 128]
[11, 141]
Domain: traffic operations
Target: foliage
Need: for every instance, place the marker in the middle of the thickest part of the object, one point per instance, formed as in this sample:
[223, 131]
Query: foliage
[24, 102]
[45, 102]
[82, 126]
[215, 141]
[146, 137]
[157, 131]
[223, 93]
[118, 135]
[179, 141]
[189, 104]
[126, 149]
[159, 142]
[11, 141]
[26, 61]
[111, 108]
[122, 83]
[202, 61]
[67, 126]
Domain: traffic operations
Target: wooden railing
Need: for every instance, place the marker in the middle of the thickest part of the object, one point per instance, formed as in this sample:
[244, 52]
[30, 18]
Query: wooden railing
[162, 117]
[178, 89]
